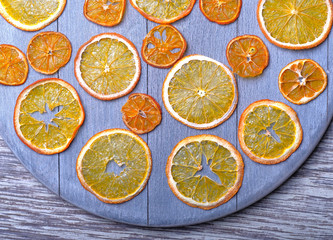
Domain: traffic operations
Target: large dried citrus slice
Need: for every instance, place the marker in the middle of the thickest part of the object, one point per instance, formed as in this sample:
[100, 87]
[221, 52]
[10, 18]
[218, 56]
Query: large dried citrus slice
[302, 81]
[269, 132]
[39, 98]
[104, 12]
[163, 46]
[13, 65]
[204, 171]
[131, 160]
[48, 52]
[221, 11]
[200, 92]
[295, 24]
[31, 15]
[247, 55]
[166, 11]
[108, 66]
[141, 113]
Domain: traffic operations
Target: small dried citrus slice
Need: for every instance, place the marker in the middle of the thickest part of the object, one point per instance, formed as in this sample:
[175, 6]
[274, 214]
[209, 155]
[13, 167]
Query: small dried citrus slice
[127, 152]
[204, 171]
[295, 24]
[108, 66]
[31, 15]
[163, 12]
[200, 92]
[48, 94]
[141, 113]
[302, 81]
[163, 46]
[48, 52]
[269, 132]
[13, 65]
[104, 12]
[247, 55]
[221, 11]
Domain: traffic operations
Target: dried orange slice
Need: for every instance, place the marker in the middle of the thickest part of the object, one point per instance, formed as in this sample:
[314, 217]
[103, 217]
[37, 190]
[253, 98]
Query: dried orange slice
[132, 162]
[31, 15]
[163, 46]
[13, 65]
[108, 66]
[163, 11]
[269, 132]
[204, 171]
[48, 52]
[247, 55]
[221, 11]
[104, 12]
[44, 96]
[302, 81]
[295, 24]
[141, 113]
[200, 92]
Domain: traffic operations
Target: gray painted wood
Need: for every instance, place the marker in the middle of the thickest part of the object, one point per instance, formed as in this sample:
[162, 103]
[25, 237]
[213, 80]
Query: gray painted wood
[156, 205]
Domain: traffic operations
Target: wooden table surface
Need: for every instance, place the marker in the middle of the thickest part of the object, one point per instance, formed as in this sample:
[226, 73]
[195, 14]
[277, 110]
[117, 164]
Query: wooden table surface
[302, 208]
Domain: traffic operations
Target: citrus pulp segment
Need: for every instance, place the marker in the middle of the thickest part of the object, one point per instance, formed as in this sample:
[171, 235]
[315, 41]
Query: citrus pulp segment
[31, 15]
[13, 66]
[40, 136]
[247, 55]
[269, 132]
[221, 11]
[108, 66]
[125, 150]
[196, 189]
[163, 46]
[302, 81]
[200, 92]
[295, 24]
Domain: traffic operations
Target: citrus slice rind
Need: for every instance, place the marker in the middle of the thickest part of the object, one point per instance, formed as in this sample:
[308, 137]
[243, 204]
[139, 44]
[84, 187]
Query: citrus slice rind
[269, 132]
[42, 137]
[218, 92]
[14, 66]
[97, 70]
[302, 81]
[99, 151]
[306, 29]
[186, 161]
[18, 17]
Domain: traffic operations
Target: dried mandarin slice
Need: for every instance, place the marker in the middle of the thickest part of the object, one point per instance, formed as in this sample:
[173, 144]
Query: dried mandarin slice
[221, 11]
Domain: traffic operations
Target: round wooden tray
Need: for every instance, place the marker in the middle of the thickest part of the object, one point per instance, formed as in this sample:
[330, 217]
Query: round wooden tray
[156, 205]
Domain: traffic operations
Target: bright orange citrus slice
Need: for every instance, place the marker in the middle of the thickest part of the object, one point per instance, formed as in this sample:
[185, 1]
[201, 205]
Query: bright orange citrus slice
[221, 11]
[104, 12]
[42, 136]
[204, 171]
[247, 55]
[31, 15]
[295, 24]
[141, 113]
[13, 65]
[269, 132]
[108, 66]
[131, 160]
[302, 81]
[163, 46]
[48, 52]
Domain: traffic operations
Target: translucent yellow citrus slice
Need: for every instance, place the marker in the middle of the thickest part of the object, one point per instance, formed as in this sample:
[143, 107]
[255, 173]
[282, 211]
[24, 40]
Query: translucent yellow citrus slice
[43, 95]
[295, 24]
[108, 66]
[31, 15]
[200, 92]
[130, 156]
[189, 179]
[269, 132]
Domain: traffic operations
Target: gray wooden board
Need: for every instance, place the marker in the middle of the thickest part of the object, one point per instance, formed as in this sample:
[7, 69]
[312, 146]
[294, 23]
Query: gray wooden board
[156, 205]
